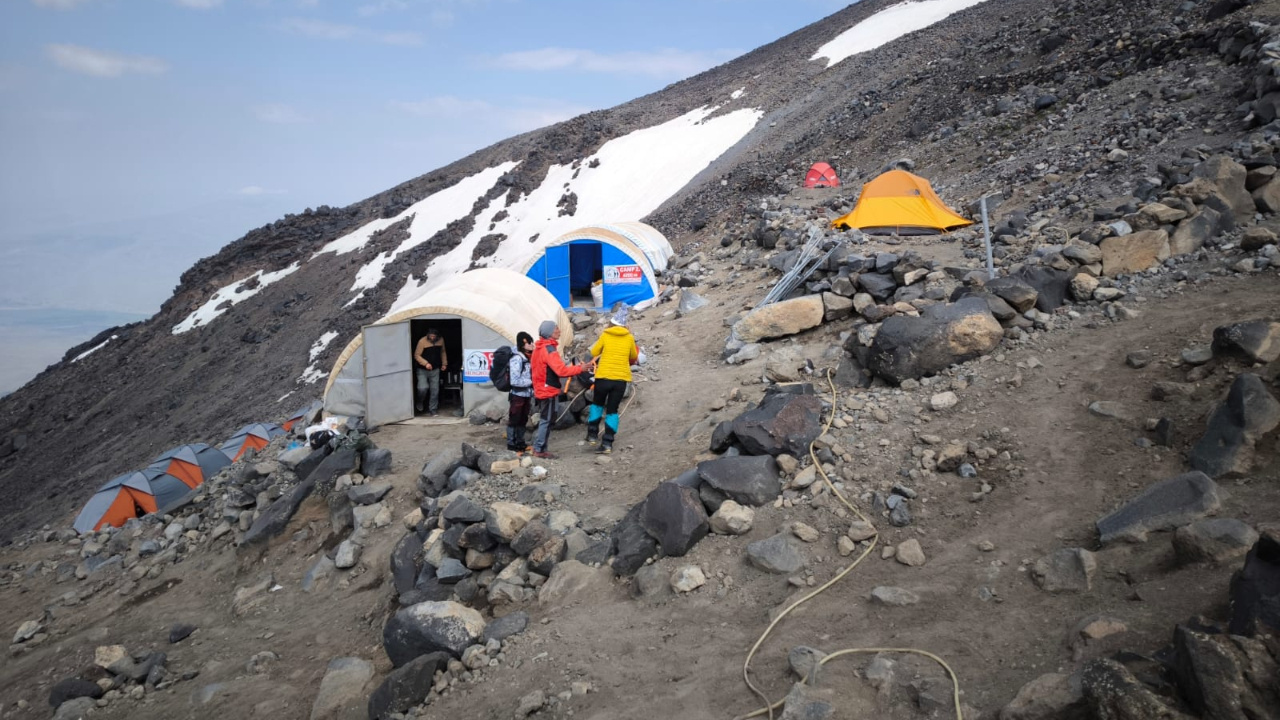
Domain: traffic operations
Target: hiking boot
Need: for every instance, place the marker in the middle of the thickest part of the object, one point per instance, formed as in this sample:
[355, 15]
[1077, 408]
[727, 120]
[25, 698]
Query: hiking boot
[592, 437]
[605, 449]
[543, 455]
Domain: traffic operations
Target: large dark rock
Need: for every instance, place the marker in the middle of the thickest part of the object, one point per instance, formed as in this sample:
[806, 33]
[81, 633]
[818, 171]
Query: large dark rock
[72, 688]
[1166, 505]
[1226, 676]
[1255, 588]
[674, 516]
[404, 562]
[782, 423]
[434, 477]
[463, 510]
[343, 461]
[944, 335]
[878, 286]
[1255, 340]
[504, 627]
[722, 437]
[476, 537]
[1112, 692]
[276, 517]
[406, 686]
[429, 627]
[1051, 285]
[533, 534]
[1014, 291]
[1248, 412]
[375, 462]
[633, 545]
[746, 479]
[309, 464]
[368, 493]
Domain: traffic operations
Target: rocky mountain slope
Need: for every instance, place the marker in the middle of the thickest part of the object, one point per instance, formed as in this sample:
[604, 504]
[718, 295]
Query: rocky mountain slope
[967, 99]
[1061, 481]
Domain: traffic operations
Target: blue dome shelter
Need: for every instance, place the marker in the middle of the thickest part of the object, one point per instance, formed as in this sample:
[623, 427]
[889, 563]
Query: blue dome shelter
[601, 265]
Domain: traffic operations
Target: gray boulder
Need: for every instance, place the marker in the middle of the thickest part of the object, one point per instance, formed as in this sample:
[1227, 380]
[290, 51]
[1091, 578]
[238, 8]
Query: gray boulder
[674, 516]
[72, 688]
[1166, 505]
[1065, 570]
[406, 686]
[784, 422]
[1221, 676]
[944, 335]
[1014, 291]
[779, 554]
[434, 477]
[429, 627]
[504, 627]
[1215, 540]
[1255, 588]
[632, 544]
[1248, 412]
[375, 462]
[1111, 691]
[1051, 285]
[278, 514]
[1255, 340]
[746, 479]
[342, 461]
[404, 562]
[369, 493]
[343, 689]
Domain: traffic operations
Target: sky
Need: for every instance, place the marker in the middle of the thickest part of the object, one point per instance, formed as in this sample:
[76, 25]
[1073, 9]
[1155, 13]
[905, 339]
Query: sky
[141, 135]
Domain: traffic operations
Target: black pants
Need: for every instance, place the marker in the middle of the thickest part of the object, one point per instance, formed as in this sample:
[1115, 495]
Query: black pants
[605, 400]
[517, 418]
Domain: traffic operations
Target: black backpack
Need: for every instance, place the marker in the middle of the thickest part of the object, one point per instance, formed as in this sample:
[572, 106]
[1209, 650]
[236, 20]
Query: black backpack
[499, 369]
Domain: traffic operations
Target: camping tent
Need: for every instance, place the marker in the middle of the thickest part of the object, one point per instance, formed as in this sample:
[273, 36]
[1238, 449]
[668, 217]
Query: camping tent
[305, 415]
[483, 309]
[626, 257]
[821, 175]
[192, 464]
[254, 435]
[128, 496]
[902, 203]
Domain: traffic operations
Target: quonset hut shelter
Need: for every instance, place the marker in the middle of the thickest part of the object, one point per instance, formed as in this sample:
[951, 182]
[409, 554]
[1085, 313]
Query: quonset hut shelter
[475, 312]
[622, 259]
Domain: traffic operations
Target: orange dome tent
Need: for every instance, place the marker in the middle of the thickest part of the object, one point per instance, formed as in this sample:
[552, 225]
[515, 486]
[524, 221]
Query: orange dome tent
[902, 203]
[255, 435]
[821, 175]
[128, 496]
[192, 464]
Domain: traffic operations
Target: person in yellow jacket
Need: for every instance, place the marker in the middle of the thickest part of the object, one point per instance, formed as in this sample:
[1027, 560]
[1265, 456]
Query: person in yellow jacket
[614, 353]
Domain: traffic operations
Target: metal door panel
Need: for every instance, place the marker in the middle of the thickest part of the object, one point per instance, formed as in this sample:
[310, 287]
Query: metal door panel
[388, 373]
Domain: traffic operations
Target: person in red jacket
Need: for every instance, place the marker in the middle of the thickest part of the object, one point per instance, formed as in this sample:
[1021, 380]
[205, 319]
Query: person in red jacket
[548, 368]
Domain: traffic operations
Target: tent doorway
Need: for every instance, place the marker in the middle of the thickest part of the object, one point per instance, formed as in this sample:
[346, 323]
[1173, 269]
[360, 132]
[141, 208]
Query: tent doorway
[586, 267]
[450, 381]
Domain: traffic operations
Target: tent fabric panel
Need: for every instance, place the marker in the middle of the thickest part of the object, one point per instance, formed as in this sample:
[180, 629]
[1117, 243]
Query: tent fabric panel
[632, 293]
[166, 489]
[190, 474]
[898, 199]
[584, 264]
[124, 506]
[90, 517]
[211, 462]
[821, 175]
[502, 300]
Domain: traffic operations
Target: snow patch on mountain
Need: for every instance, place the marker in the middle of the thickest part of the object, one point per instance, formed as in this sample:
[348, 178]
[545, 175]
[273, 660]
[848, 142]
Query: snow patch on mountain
[626, 179]
[888, 25]
[234, 293]
[430, 215]
[93, 349]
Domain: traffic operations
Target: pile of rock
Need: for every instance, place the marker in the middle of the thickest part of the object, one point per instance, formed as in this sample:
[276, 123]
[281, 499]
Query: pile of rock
[115, 676]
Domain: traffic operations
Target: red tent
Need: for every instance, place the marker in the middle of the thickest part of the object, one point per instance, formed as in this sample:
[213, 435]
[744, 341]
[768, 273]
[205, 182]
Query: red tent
[821, 175]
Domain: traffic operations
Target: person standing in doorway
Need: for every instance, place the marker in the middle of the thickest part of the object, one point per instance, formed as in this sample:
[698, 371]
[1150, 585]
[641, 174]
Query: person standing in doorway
[547, 371]
[520, 399]
[431, 357]
[616, 351]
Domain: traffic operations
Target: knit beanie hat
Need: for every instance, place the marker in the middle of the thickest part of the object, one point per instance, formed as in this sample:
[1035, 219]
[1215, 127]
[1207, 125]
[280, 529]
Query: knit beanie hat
[619, 318]
[547, 328]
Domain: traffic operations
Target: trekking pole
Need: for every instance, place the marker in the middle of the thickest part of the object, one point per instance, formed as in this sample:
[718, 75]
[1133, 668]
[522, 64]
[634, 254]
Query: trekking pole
[986, 232]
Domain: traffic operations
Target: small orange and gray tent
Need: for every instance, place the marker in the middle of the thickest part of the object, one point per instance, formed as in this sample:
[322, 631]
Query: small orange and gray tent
[192, 464]
[901, 203]
[821, 175]
[128, 496]
[305, 415]
[255, 435]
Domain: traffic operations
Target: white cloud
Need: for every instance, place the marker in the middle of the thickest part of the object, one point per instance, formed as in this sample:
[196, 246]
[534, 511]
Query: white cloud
[322, 30]
[376, 8]
[99, 63]
[199, 4]
[59, 4]
[661, 63]
[279, 114]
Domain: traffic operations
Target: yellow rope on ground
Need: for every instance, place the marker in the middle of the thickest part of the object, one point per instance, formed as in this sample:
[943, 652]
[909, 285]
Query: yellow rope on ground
[875, 538]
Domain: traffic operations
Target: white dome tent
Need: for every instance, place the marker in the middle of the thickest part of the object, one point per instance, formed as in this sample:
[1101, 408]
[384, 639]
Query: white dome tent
[622, 259]
[475, 312]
